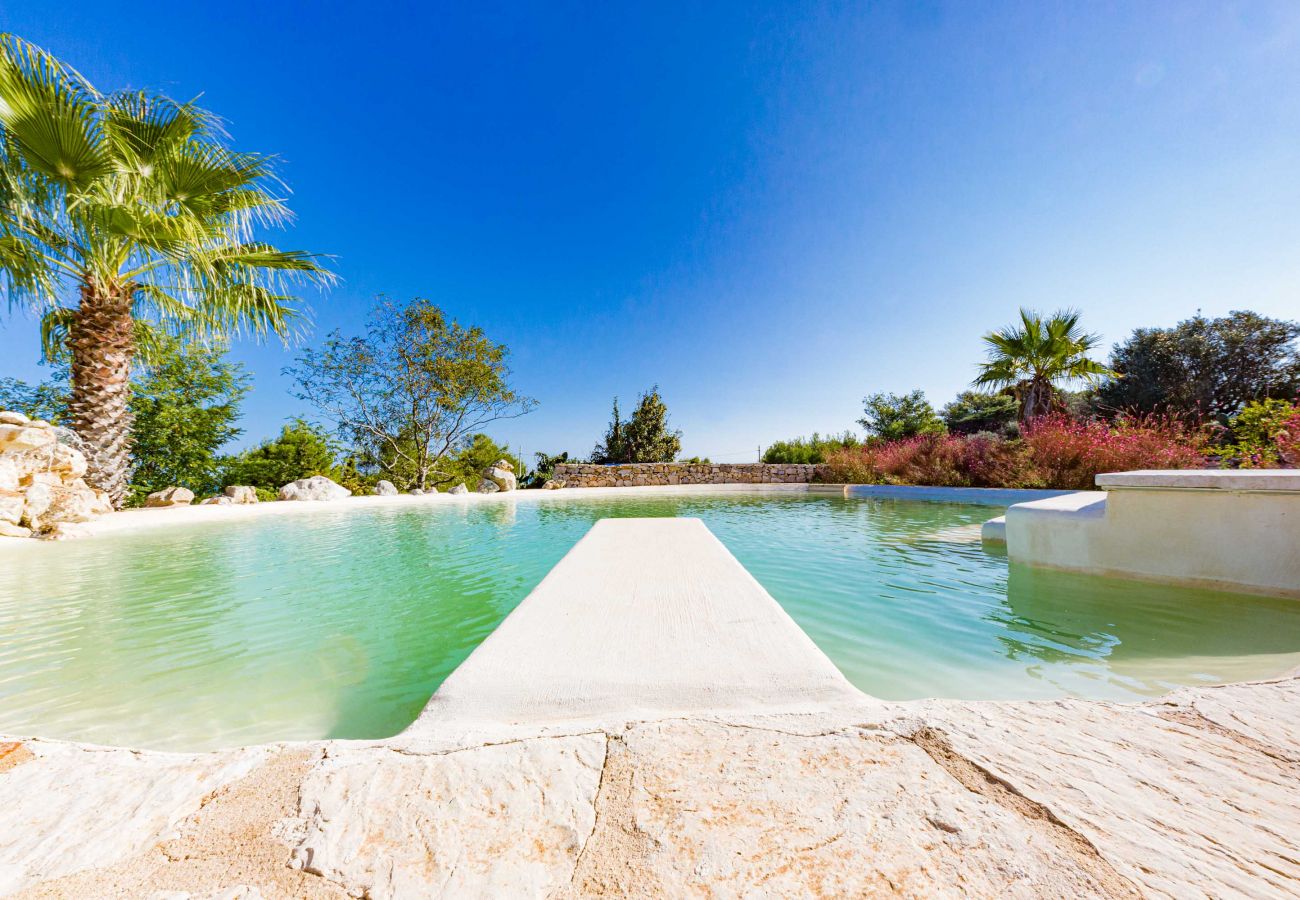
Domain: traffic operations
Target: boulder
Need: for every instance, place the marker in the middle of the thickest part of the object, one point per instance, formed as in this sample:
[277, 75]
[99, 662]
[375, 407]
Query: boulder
[241, 493]
[416, 492]
[11, 506]
[11, 417]
[459, 489]
[385, 489]
[24, 437]
[501, 474]
[219, 500]
[10, 530]
[554, 484]
[487, 486]
[172, 496]
[317, 487]
[49, 505]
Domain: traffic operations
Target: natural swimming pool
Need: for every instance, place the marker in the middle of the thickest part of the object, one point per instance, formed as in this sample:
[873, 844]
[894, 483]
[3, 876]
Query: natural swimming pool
[341, 624]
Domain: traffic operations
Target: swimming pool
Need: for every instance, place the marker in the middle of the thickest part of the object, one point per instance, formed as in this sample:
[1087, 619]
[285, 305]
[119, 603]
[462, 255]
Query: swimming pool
[342, 623]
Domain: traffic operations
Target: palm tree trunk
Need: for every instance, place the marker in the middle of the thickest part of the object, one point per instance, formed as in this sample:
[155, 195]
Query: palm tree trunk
[1037, 402]
[102, 342]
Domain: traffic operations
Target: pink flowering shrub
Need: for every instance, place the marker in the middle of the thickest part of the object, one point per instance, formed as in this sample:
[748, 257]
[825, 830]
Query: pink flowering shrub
[1070, 453]
[1288, 441]
[1053, 452]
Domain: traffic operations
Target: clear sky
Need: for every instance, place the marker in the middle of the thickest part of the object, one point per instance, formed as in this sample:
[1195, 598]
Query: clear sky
[769, 210]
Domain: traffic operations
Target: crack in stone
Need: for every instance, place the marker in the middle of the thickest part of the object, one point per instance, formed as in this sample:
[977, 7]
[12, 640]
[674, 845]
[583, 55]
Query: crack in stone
[979, 780]
[1194, 718]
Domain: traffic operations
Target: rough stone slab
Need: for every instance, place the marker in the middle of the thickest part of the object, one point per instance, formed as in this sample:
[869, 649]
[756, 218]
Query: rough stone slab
[507, 820]
[67, 807]
[1169, 800]
[1203, 479]
[643, 617]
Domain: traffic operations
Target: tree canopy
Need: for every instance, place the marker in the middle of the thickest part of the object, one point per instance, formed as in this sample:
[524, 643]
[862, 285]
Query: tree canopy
[892, 417]
[411, 391]
[645, 437]
[1204, 368]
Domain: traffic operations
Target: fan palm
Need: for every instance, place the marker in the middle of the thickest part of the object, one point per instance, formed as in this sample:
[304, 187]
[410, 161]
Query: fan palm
[1031, 357]
[123, 216]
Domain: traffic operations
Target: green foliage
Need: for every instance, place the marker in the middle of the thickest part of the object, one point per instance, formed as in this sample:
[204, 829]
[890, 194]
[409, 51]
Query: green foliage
[645, 437]
[544, 469]
[892, 417]
[136, 193]
[1252, 434]
[1030, 358]
[47, 400]
[809, 450]
[185, 405]
[695, 460]
[300, 451]
[408, 394]
[466, 465]
[1204, 368]
[975, 411]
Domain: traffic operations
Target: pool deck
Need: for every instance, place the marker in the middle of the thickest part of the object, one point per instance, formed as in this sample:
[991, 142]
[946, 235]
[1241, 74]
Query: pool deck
[649, 722]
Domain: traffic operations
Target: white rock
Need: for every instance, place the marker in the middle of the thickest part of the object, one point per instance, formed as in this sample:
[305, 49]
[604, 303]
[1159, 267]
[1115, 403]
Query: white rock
[10, 530]
[317, 487]
[416, 492]
[385, 489]
[219, 500]
[11, 506]
[10, 417]
[502, 475]
[241, 493]
[487, 486]
[172, 496]
[24, 437]
[459, 489]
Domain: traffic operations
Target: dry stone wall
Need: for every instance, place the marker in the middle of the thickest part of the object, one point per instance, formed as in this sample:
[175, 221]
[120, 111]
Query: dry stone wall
[577, 475]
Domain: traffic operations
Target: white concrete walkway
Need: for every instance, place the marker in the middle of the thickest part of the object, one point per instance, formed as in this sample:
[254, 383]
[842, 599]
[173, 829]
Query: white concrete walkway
[643, 617]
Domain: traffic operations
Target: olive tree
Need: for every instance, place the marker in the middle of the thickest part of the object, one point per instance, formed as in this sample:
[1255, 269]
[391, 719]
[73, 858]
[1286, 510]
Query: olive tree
[411, 391]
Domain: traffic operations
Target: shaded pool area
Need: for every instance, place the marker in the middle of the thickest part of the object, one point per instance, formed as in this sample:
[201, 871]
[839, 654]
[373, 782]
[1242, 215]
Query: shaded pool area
[341, 624]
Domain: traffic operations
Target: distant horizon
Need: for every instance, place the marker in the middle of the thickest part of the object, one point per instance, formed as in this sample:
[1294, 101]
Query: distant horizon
[768, 211]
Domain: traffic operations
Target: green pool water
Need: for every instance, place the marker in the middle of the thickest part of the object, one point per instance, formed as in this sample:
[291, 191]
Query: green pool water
[342, 624]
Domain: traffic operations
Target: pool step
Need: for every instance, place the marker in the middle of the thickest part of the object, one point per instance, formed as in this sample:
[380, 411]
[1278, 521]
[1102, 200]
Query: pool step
[642, 617]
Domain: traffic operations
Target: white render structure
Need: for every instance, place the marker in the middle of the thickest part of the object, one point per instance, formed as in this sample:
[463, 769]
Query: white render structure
[1237, 530]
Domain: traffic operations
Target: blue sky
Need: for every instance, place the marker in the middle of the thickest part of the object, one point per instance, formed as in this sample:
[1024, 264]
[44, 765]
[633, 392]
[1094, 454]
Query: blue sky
[769, 210]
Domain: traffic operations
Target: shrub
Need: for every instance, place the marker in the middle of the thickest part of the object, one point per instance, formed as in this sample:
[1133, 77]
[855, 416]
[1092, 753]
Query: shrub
[1254, 434]
[1069, 454]
[1288, 439]
[975, 411]
[809, 450]
[983, 460]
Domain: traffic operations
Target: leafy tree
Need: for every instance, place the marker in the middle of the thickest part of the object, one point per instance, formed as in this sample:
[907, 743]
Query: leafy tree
[466, 465]
[123, 215]
[809, 450]
[185, 404]
[645, 437]
[892, 417]
[1032, 357]
[411, 391]
[975, 411]
[300, 451]
[1204, 368]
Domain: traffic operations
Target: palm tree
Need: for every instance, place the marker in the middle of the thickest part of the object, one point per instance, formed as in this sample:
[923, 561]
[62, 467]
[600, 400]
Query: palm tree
[1031, 357]
[123, 216]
